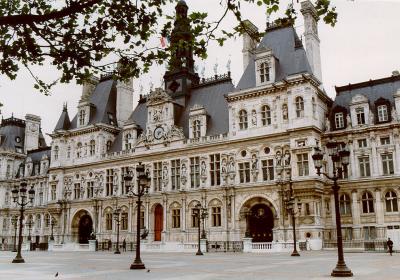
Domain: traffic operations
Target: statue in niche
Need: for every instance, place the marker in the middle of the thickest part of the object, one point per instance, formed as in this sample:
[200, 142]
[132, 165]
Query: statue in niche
[157, 115]
[254, 118]
[203, 168]
[285, 112]
[327, 124]
[165, 172]
[394, 114]
[286, 158]
[348, 119]
[254, 162]
[231, 165]
[183, 173]
[224, 166]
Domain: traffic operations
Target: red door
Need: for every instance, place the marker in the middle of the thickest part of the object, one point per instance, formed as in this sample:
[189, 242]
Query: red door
[158, 222]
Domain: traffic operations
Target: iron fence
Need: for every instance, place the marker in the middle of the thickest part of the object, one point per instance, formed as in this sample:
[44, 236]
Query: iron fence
[224, 246]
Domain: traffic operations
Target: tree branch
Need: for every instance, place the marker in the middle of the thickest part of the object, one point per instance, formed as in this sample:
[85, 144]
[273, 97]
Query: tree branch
[23, 19]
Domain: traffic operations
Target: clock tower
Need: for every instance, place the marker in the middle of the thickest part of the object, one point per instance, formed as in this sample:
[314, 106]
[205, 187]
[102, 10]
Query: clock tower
[180, 76]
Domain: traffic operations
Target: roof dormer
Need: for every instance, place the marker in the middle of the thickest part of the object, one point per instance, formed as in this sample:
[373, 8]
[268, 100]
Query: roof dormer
[197, 121]
[265, 66]
[359, 110]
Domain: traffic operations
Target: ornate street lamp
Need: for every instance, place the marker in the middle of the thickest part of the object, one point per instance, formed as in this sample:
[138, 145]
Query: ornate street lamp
[340, 160]
[198, 213]
[143, 184]
[52, 224]
[20, 198]
[283, 169]
[14, 221]
[117, 219]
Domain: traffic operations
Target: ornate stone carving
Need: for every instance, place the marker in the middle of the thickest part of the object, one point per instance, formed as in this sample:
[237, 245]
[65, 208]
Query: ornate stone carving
[158, 96]
[184, 172]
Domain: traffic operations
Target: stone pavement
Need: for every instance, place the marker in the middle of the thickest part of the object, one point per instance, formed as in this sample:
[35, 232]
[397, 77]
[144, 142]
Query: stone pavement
[276, 266]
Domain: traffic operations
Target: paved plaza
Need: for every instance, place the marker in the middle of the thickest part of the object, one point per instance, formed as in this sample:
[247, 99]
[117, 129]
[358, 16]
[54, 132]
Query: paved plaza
[105, 265]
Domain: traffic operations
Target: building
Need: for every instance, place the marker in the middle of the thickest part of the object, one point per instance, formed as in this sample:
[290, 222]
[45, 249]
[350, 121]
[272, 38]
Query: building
[209, 142]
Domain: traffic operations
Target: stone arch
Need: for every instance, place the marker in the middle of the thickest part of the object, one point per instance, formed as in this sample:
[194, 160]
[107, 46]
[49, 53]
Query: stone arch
[81, 225]
[215, 202]
[173, 205]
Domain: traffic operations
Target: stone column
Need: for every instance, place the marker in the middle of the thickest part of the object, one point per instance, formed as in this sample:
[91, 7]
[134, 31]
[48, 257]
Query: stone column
[165, 216]
[397, 153]
[233, 208]
[374, 159]
[355, 213]
[183, 216]
[131, 217]
[147, 214]
[379, 214]
[353, 161]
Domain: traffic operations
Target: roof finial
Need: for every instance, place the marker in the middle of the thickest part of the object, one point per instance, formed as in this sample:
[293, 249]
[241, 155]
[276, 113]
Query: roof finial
[216, 67]
[140, 88]
[228, 64]
[65, 106]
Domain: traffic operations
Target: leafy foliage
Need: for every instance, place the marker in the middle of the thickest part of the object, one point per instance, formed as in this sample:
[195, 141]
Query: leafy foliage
[84, 37]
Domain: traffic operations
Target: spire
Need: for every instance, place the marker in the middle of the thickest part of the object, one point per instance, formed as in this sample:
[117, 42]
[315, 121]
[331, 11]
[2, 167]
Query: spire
[63, 122]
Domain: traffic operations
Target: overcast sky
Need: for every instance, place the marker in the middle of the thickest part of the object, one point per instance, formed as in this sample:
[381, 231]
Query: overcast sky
[365, 44]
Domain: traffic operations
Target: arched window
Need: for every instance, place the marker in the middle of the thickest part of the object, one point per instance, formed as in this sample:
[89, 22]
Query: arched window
[265, 115]
[367, 203]
[196, 128]
[82, 116]
[264, 72]
[109, 220]
[243, 122]
[92, 147]
[391, 201]
[38, 221]
[124, 220]
[345, 204]
[56, 153]
[128, 141]
[79, 150]
[108, 145]
[285, 114]
[299, 107]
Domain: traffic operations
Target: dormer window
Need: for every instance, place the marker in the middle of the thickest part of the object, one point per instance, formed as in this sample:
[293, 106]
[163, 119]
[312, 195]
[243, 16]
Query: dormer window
[196, 128]
[360, 116]
[264, 72]
[108, 145]
[82, 116]
[128, 141]
[383, 115]
[339, 120]
[299, 107]
[265, 115]
[243, 120]
[92, 147]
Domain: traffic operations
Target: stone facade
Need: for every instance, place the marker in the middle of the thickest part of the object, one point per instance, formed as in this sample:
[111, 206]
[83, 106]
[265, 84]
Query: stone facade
[209, 142]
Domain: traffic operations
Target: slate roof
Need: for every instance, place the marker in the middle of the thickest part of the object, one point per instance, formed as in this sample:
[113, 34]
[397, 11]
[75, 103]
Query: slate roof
[211, 96]
[286, 47]
[63, 122]
[372, 90]
[10, 129]
[104, 99]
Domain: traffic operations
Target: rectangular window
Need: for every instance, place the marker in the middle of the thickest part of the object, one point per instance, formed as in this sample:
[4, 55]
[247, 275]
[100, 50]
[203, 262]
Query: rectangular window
[215, 169]
[157, 176]
[176, 174]
[362, 143]
[194, 172]
[124, 221]
[385, 140]
[369, 233]
[339, 120]
[109, 220]
[360, 116]
[89, 189]
[77, 191]
[195, 218]
[244, 172]
[53, 192]
[387, 164]
[176, 218]
[216, 216]
[41, 198]
[364, 166]
[268, 169]
[302, 164]
[109, 182]
[125, 188]
[382, 113]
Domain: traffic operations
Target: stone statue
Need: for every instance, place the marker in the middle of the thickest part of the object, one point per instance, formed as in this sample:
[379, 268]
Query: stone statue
[254, 162]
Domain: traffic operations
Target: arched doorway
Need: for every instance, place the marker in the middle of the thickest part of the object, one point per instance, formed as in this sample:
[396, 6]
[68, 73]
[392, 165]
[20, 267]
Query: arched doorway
[82, 227]
[158, 222]
[85, 229]
[261, 223]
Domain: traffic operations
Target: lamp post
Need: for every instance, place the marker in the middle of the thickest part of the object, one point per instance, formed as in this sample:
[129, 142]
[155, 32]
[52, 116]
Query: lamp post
[198, 213]
[117, 219]
[29, 224]
[20, 198]
[14, 221]
[340, 160]
[143, 181]
[52, 224]
[283, 169]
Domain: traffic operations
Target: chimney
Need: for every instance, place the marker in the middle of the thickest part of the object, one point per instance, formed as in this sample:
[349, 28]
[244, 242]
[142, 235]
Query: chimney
[311, 37]
[88, 87]
[124, 101]
[32, 132]
[249, 42]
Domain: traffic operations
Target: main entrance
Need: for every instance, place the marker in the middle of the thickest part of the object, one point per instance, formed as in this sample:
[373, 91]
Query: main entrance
[158, 222]
[261, 223]
[85, 229]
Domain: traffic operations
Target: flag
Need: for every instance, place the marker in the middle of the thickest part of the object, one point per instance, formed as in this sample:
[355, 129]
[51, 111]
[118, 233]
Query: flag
[162, 40]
